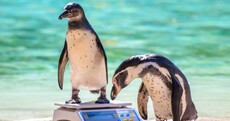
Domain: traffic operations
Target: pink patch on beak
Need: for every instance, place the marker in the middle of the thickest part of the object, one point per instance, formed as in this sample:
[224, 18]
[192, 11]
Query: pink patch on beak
[115, 90]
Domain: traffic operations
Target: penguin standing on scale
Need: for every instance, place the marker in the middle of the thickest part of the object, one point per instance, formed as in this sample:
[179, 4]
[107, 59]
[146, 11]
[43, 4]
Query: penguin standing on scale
[84, 51]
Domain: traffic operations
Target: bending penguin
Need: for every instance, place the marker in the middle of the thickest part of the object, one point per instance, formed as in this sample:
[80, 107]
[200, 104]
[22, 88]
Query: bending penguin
[84, 51]
[162, 81]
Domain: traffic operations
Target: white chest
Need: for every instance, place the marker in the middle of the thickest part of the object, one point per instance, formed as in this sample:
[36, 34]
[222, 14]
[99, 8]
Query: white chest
[160, 95]
[81, 43]
[87, 64]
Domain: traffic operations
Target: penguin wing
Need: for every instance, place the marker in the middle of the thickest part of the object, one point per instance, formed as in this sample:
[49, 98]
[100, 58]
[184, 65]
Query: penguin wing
[177, 91]
[61, 65]
[103, 53]
[142, 101]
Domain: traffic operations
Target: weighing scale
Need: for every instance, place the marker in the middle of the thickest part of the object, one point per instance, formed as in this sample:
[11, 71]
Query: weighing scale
[89, 111]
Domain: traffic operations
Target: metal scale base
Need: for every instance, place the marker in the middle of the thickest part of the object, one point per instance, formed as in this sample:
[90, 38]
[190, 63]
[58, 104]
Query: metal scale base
[89, 111]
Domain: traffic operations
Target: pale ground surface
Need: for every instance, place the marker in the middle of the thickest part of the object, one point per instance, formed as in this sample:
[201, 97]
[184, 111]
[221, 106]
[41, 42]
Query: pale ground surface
[199, 119]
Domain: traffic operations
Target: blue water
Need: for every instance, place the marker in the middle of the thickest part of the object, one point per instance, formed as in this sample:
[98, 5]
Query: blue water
[194, 34]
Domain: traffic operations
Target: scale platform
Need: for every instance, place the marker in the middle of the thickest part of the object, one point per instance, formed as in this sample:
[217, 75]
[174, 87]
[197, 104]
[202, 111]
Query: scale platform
[89, 111]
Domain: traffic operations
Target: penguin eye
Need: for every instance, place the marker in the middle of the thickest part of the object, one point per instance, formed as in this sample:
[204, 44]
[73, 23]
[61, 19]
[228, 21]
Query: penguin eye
[74, 10]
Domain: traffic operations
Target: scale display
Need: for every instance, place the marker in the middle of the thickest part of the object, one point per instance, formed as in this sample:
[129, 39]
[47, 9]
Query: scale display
[110, 115]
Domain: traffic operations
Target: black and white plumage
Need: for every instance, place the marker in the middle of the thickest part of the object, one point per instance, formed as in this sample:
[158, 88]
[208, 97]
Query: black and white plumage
[162, 81]
[84, 51]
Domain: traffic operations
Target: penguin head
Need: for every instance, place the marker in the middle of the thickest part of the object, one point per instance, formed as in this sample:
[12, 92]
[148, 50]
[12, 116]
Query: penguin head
[124, 74]
[72, 11]
[119, 82]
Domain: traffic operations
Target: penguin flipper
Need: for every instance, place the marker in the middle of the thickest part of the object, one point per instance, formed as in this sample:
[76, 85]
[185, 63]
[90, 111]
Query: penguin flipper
[177, 91]
[61, 65]
[142, 101]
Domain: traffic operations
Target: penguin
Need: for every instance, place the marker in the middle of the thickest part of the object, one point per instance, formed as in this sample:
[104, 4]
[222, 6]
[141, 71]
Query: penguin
[86, 56]
[166, 85]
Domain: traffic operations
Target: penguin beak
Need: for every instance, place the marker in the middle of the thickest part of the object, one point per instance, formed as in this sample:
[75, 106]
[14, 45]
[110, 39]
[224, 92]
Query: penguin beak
[115, 90]
[63, 15]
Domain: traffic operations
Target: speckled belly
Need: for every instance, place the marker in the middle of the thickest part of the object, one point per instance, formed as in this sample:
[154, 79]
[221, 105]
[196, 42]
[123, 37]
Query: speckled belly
[160, 95]
[87, 64]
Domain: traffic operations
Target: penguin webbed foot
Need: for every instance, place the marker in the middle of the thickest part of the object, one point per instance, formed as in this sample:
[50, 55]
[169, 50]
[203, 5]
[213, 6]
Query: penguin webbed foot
[102, 100]
[73, 101]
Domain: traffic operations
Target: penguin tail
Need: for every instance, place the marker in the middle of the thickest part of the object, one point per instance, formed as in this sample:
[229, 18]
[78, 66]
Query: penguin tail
[94, 91]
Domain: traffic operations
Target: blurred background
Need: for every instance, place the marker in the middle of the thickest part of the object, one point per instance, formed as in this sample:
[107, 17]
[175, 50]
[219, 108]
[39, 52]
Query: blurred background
[194, 34]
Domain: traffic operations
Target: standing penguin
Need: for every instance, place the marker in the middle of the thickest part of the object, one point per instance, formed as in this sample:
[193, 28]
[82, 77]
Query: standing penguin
[84, 51]
[162, 81]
